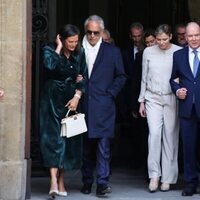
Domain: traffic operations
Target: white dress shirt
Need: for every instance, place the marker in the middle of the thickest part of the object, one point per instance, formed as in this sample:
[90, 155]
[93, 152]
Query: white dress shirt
[191, 56]
[90, 53]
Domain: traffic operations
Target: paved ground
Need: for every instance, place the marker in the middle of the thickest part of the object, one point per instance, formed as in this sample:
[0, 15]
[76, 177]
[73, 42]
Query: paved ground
[126, 184]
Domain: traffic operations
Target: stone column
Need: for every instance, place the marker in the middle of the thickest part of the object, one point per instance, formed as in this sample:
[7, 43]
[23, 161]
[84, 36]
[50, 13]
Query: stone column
[12, 105]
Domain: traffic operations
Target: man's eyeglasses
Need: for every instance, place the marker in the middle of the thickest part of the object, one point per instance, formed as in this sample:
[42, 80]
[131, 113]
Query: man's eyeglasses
[96, 33]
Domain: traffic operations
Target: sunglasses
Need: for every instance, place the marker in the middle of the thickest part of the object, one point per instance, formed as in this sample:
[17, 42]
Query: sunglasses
[96, 33]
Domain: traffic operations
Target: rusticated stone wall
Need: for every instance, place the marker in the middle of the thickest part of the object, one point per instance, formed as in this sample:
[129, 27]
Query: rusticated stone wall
[12, 105]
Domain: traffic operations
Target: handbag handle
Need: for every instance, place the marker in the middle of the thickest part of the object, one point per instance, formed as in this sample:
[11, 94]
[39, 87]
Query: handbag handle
[69, 112]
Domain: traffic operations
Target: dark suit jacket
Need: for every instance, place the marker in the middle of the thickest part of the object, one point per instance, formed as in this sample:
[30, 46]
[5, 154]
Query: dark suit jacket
[137, 76]
[105, 82]
[182, 70]
[128, 59]
[125, 97]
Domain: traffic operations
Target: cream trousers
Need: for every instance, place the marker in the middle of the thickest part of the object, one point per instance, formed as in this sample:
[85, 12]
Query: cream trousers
[162, 118]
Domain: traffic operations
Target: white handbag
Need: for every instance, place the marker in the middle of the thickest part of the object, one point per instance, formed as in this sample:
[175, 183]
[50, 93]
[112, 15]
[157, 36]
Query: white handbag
[73, 125]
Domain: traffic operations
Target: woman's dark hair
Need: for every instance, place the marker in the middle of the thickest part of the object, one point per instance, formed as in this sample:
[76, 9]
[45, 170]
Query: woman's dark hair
[69, 30]
[149, 32]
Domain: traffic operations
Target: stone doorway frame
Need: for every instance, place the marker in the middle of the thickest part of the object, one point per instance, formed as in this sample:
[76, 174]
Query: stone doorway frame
[35, 16]
[28, 80]
[28, 95]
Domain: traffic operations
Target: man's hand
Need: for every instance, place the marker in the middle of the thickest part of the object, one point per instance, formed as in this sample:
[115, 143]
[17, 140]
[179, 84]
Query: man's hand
[181, 93]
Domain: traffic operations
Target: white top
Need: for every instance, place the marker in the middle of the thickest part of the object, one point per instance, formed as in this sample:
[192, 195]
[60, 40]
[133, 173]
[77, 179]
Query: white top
[90, 53]
[135, 51]
[156, 70]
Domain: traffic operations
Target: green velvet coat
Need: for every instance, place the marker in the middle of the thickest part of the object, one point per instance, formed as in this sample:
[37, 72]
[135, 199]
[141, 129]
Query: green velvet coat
[57, 151]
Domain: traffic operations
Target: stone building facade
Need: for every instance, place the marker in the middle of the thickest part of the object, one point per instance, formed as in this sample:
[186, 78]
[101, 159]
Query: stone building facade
[14, 61]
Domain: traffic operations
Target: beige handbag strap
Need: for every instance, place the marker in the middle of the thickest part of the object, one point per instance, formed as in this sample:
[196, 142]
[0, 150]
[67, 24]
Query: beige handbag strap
[69, 112]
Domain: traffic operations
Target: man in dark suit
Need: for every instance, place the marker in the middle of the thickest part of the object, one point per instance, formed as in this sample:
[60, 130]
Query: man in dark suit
[129, 124]
[105, 79]
[140, 148]
[185, 83]
[128, 54]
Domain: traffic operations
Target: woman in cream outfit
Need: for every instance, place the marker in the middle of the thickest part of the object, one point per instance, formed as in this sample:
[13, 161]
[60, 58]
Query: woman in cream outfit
[159, 105]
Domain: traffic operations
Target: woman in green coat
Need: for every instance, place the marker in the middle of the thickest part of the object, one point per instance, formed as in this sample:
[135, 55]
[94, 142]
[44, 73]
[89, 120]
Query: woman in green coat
[67, 62]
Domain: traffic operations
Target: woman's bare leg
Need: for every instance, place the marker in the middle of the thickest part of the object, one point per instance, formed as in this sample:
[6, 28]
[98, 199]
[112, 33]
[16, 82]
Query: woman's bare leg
[61, 185]
[53, 181]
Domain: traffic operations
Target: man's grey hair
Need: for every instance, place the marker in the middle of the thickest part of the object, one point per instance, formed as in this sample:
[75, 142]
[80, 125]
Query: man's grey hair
[136, 25]
[95, 18]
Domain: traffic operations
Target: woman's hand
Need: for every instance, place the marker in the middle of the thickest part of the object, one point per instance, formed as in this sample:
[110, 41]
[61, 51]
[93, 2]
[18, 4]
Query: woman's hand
[142, 109]
[72, 103]
[59, 44]
[79, 78]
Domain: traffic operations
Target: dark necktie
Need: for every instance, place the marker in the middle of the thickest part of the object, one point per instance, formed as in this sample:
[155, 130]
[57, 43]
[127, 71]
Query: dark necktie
[195, 62]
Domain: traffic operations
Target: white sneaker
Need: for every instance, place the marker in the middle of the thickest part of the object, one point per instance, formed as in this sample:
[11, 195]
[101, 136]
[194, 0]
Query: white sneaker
[153, 185]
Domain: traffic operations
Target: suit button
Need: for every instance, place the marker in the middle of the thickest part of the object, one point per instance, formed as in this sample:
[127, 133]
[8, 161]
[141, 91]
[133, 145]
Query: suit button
[194, 82]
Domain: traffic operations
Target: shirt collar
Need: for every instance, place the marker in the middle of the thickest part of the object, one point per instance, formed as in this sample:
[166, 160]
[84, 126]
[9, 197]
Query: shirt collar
[87, 45]
[191, 50]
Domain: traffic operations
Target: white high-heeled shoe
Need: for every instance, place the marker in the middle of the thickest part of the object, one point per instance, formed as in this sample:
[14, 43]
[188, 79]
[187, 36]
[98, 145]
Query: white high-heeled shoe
[53, 189]
[153, 185]
[165, 187]
[53, 192]
[63, 194]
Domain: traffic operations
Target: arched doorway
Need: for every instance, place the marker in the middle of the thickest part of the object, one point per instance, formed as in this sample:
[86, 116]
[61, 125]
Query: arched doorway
[49, 15]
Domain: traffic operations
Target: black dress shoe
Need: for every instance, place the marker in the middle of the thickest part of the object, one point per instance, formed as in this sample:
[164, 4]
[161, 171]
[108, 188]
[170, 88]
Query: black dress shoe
[103, 189]
[189, 191]
[86, 189]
